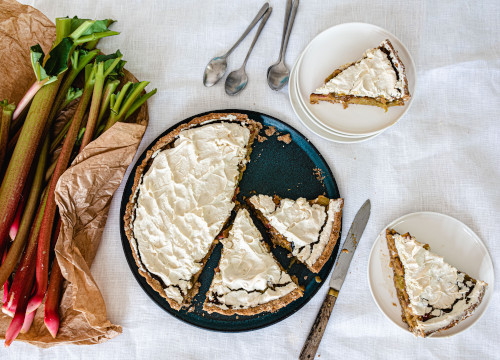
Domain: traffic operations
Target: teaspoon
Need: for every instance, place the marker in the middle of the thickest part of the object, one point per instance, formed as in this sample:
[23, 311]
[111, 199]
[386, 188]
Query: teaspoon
[216, 68]
[238, 79]
[278, 73]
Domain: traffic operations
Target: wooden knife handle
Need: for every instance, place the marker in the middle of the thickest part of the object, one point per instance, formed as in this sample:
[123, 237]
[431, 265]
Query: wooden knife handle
[312, 343]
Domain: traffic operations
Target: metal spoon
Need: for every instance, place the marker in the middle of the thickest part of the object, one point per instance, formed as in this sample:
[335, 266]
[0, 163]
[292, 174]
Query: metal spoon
[238, 79]
[217, 66]
[278, 73]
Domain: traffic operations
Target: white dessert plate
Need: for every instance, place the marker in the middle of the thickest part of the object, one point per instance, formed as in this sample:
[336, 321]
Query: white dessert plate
[310, 123]
[337, 46]
[448, 237]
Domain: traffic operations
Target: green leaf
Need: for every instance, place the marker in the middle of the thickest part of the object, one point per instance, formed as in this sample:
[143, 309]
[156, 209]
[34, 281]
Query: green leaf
[37, 55]
[76, 22]
[57, 62]
[105, 58]
[79, 138]
[73, 93]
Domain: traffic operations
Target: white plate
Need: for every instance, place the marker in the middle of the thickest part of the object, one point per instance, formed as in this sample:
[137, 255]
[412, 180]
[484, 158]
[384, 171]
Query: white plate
[337, 46]
[449, 238]
[311, 124]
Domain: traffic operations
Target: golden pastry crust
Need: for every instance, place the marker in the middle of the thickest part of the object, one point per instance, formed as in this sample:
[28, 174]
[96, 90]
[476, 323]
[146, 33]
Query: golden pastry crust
[128, 218]
[382, 102]
[280, 240]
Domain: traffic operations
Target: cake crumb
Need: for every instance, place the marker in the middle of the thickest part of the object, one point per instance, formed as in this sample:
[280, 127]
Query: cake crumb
[261, 139]
[345, 251]
[287, 139]
[305, 277]
[191, 309]
[270, 130]
[318, 173]
[318, 279]
[394, 304]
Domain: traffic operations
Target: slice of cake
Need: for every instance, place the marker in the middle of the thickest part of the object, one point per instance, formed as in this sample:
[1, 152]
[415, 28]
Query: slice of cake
[434, 295]
[248, 279]
[182, 197]
[308, 229]
[378, 79]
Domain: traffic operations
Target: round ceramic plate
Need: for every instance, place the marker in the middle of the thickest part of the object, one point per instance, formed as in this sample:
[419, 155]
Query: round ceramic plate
[448, 237]
[335, 47]
[289, 170]
[309, 122]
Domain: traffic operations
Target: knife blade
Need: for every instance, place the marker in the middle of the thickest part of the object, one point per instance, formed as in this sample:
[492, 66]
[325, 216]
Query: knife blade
[338, 276]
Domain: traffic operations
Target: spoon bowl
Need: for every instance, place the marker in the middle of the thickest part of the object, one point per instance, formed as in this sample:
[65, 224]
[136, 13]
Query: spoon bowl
[277, 76]
[236, 81]
[214, 71]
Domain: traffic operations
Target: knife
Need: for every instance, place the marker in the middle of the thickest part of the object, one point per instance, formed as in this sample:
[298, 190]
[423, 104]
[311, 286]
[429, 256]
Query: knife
[339, 273]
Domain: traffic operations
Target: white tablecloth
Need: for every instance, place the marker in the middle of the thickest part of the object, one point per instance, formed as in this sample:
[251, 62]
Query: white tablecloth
[443, 156]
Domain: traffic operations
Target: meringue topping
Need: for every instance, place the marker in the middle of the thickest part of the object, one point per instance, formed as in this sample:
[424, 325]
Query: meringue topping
[184, 199]
[248, 274]
[436, 290]
[372, 76]
[307, 227]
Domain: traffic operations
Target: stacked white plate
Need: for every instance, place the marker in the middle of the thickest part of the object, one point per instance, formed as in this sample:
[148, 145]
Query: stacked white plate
[329, 50]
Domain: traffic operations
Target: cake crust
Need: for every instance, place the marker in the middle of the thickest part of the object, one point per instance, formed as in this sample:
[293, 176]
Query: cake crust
[128, 218]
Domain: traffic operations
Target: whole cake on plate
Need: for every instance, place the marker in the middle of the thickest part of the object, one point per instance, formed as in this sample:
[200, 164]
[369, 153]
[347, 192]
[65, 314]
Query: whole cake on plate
[377, 79]
[248, 279]
[182, 197]
[309, 229]
[433, 295]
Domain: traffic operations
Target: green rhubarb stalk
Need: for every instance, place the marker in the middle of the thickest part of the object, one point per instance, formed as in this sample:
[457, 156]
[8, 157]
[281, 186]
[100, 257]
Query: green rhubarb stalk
[21, 238]
[124, 101]
[109, 89]
[7, 110]
[106, 65]
[138, 103]
[43, 253]
[24, 152]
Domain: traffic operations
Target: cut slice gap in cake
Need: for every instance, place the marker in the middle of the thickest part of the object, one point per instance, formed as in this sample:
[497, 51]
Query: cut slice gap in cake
[377, 79]
[434, 296]
[248, 280]
[182, 198]
[309, 229]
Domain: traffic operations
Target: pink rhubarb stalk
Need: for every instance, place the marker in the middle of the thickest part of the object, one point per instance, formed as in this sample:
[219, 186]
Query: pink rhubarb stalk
[28, 97]
[44, 241]
[28, 320]
[51, 316]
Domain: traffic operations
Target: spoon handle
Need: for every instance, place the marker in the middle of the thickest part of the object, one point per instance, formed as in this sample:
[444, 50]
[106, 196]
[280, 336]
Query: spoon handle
[290, 25]
[255, 20]
[257, 34]
[285, 27]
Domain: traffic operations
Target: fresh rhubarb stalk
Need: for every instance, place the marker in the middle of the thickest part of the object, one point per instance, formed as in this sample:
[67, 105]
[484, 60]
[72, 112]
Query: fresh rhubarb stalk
[25, 150]
[106, 65]
[20, 313]
[7, 110]
[14, 227]
[124, 102]
[26, 267]
[6, 284]
[42, 263]
[138, 103]
[28, 214]
[28, 320]
[109, 89]
[51, 316]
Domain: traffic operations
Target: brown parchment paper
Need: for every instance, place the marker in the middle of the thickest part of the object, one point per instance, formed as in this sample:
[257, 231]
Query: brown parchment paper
[83, 193]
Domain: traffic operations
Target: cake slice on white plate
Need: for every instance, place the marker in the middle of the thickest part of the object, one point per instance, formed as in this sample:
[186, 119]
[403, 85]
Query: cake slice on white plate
[434, 295]
[309, 229]
[248, 280]
[377, 79]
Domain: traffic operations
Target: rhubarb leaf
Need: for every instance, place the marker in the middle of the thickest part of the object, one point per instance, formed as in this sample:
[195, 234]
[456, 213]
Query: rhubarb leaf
[102, 25]
[57, 62]
[113, 65]
[37, 55]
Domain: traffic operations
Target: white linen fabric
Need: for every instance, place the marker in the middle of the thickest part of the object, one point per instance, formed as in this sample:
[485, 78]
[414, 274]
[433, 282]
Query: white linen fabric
[442, 156]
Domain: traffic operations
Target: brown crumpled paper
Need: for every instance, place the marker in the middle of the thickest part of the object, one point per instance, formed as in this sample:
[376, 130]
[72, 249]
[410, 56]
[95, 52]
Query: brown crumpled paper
[83, 193]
